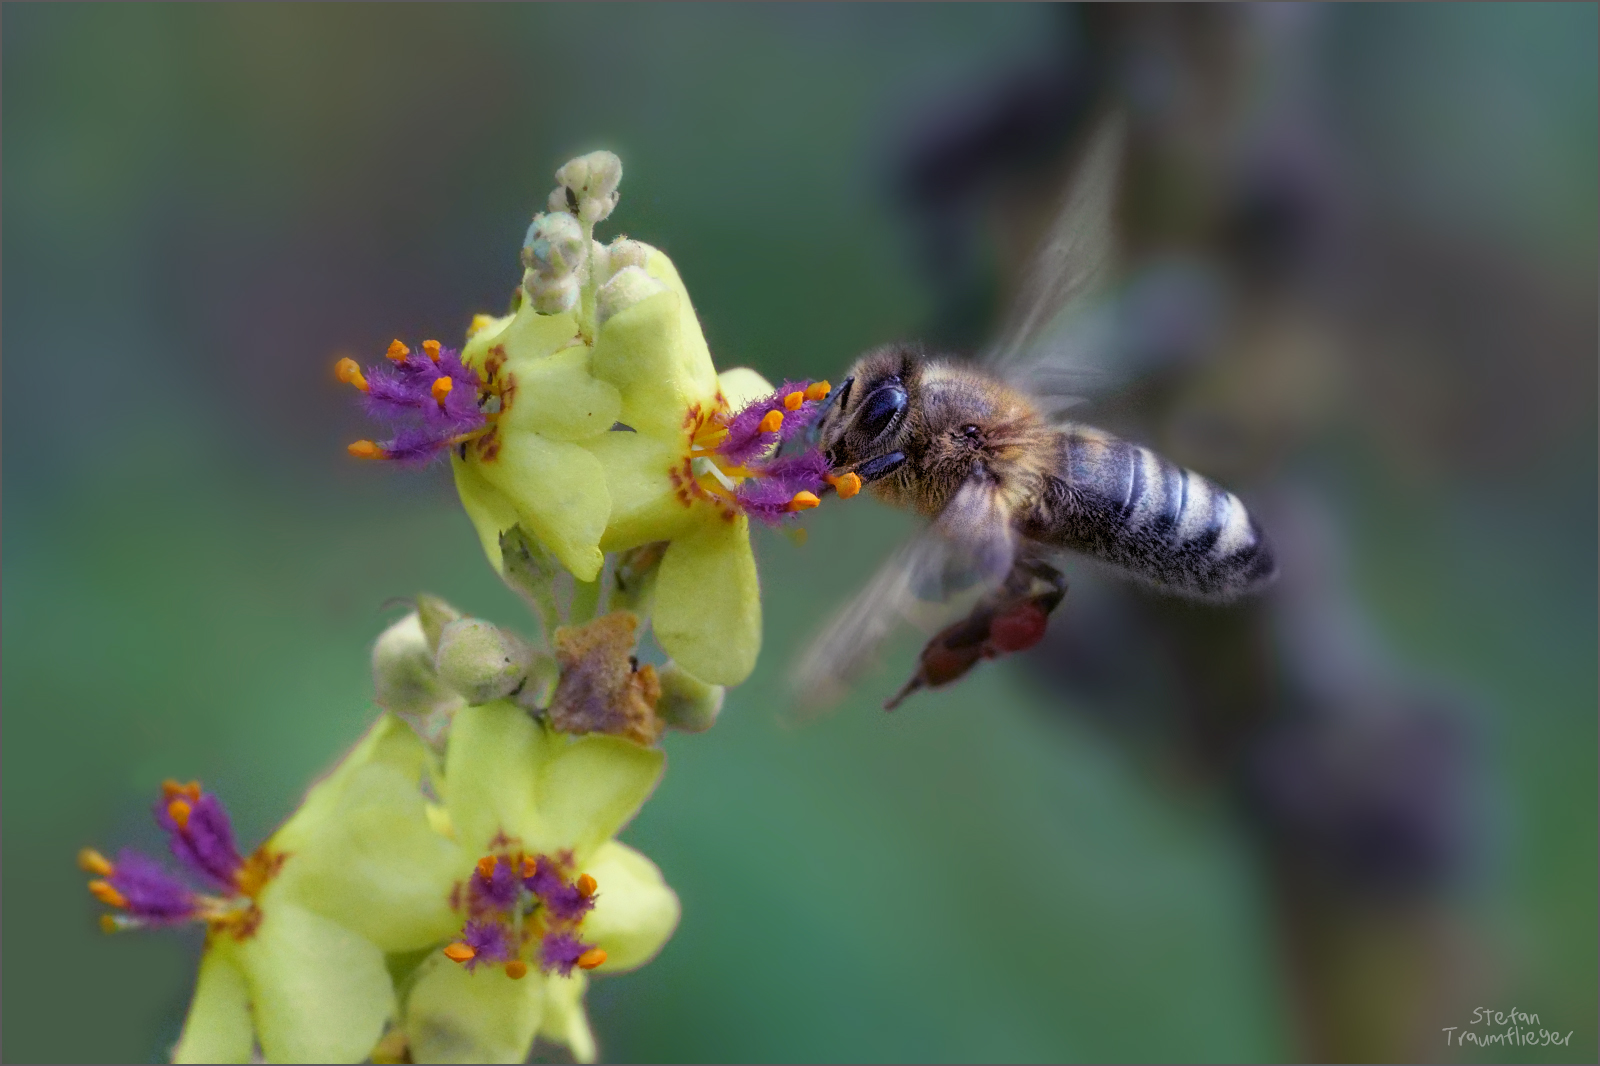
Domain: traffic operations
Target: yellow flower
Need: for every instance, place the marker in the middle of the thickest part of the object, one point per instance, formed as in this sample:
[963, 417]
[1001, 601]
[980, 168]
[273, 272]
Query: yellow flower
[543, 894]
[593, 417]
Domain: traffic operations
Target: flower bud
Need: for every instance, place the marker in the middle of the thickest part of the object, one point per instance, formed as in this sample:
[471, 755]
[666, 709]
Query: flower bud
[593, 180]
[627, 287]
[554, 246]
[625, 252]
[551, 295]
[481, 661]
[686, 702]
[434, 614]
[404, 669]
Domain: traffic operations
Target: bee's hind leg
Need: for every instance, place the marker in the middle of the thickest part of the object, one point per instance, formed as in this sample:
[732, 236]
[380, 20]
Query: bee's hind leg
[1013, 619]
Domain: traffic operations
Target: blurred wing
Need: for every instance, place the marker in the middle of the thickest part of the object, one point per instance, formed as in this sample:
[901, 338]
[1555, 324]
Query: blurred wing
[1051, 347]
[963, 554]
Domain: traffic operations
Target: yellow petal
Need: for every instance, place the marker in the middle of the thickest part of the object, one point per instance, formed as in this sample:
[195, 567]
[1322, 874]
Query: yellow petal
[526, 334]
[708, 602]
[694, 357]
[634, 912]
[377, 866]
[491, 513]
[556, 397]
[644, 506]
[388, 742]
[492, 769]
[453, 1015]
[741, 385]
[589, 788]
[559, 492]
[218, 1027]
[319, 992]
[565, 1021]
[655, 354]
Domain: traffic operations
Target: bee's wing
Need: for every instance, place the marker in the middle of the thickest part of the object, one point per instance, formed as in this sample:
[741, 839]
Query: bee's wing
[964, 553]
[1049, 347]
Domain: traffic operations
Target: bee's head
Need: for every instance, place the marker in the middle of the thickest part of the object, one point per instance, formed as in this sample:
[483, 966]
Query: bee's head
[866, 415]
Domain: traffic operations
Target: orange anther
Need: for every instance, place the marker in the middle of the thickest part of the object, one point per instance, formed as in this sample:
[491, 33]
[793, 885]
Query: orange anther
[587, 884]
[171, 789]
[592, 958]
[459, 952]
[802, 501]
[107, 894]
[92, 862]
[397, 351]
[441, 389]
[773, 422]
[364, 449]
[793, 401]
[846, 485]
[516, 969]
[179, 810]
[486, 866]
[818, 390]
[530, 866]
[348, 371]
[431, 350]
[109, 924]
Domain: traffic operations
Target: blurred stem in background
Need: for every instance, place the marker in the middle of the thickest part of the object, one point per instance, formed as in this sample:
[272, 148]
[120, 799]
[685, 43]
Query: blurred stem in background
[1357, 781]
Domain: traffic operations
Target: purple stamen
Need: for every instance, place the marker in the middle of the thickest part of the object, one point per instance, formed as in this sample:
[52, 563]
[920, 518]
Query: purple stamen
[491, 941]
[154, 896]
[560, 952]
[766, 497]
[745, 441]
[205, 843]
[498, 892]
[561, 899]
[401, 393]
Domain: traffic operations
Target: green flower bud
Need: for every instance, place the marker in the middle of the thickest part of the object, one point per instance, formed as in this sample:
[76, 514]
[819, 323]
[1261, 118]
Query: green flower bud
[626, 288]
[434, 615]
[404, 678]
[481, 661]
[686, 702]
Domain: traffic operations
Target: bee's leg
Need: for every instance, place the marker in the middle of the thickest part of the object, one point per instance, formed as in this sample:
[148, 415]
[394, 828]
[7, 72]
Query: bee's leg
[882, 466]
[1012, 620]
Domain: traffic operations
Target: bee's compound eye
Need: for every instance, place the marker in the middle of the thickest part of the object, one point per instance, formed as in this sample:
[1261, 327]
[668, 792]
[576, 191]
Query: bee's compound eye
[881, 410]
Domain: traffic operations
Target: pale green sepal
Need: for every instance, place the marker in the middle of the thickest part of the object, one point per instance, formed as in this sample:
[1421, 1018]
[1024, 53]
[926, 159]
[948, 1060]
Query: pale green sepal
[389, 742]
[482, 1016]
[218, 1027]
[644, 502]
[634, 910]
[319, 992]
[565, 1021]
[527, 334]
[492, 769]
[491, 513]
[559, 492]
[708, 602]
[377, 866]
[741, 385]
[557, 397]
[589, 788]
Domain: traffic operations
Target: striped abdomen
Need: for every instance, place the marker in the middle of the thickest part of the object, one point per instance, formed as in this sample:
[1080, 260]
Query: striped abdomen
[1124, 504]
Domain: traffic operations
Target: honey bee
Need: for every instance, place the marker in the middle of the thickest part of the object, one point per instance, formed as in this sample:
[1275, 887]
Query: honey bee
[1008, 486]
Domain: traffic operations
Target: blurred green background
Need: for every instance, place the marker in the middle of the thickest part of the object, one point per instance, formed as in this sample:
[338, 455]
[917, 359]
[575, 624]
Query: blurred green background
[205, 206]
